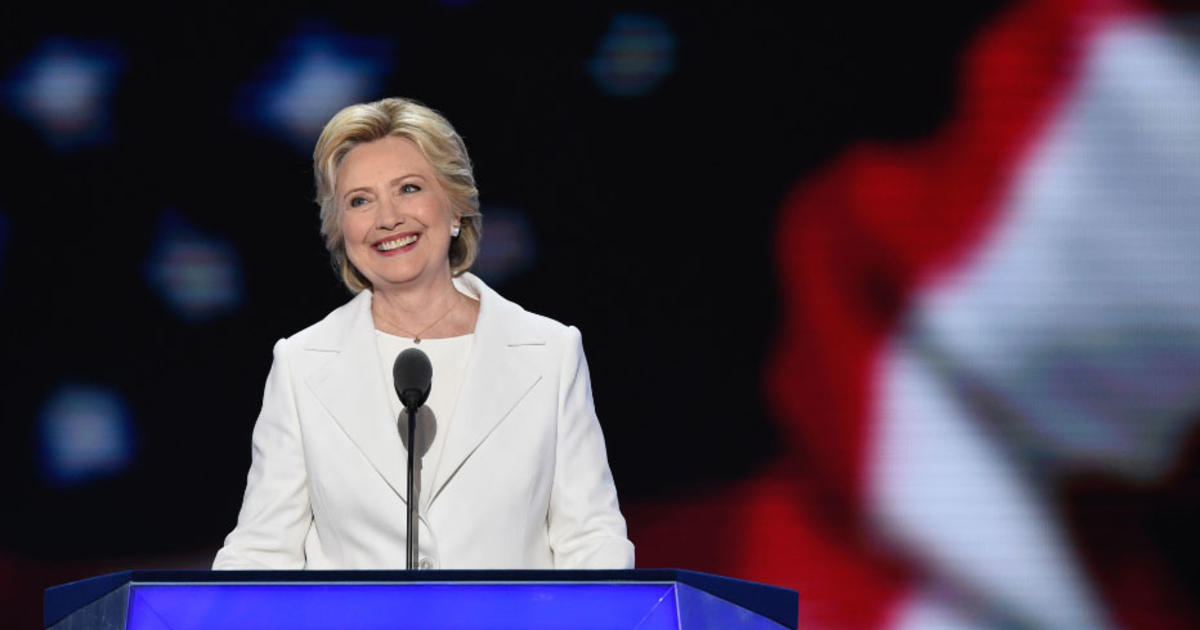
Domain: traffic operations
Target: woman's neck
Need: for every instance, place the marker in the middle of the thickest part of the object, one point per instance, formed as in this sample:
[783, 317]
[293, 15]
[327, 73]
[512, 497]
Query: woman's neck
[430, 311]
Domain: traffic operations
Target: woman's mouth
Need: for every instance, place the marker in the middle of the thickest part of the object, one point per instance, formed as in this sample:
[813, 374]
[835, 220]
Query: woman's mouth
[396, 243]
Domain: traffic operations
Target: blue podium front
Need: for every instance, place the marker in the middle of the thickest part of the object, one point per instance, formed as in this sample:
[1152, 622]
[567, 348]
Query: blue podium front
[648, 599]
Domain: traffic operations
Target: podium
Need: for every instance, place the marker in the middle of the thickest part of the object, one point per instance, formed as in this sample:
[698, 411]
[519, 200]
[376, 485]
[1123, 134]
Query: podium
[647, 599]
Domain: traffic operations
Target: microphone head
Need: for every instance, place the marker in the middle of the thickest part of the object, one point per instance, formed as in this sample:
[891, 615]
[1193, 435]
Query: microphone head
[412, 374]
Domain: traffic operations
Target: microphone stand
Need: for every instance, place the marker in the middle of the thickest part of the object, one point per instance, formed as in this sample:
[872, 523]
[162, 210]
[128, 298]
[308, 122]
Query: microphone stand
[411, 529]
[412, 374]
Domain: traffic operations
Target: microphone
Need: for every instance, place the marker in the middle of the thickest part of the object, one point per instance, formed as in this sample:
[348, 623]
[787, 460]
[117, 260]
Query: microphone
[412, 375]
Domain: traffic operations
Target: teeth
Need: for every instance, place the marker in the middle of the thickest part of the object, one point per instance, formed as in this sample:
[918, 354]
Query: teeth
[396, 244]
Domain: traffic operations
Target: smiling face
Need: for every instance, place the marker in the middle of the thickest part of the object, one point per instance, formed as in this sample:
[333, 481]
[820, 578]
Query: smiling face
[396, 218]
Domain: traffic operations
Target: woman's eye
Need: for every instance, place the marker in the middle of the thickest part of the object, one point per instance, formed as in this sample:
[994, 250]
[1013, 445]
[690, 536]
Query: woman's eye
[410, 188]
[356, 202]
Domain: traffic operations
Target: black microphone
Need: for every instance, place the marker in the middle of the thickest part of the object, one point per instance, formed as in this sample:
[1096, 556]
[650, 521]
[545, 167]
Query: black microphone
[412, 374]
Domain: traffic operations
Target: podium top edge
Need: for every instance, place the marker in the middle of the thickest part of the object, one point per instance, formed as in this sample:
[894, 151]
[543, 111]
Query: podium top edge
[777, 603]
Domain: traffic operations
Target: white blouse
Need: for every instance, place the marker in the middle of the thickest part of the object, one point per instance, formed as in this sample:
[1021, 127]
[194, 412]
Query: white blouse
[449, 359]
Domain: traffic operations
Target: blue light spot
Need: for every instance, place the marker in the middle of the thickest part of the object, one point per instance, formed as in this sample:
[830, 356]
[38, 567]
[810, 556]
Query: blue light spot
[85, 433]
[64, 90]
[508, 247]
[198, 276]
[317, 73]
[634, 56]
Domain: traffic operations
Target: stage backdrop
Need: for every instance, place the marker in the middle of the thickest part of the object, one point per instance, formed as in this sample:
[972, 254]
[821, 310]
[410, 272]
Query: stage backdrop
[947, 263]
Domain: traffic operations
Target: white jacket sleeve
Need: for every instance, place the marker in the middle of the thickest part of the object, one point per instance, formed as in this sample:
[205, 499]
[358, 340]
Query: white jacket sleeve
[275, 515]
[586, 529]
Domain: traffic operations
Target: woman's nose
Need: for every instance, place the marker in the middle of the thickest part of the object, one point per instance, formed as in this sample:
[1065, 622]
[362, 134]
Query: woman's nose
[390, 213]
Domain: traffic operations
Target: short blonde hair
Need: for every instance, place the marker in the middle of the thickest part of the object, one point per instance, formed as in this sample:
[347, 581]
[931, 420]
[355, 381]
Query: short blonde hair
[438, 142]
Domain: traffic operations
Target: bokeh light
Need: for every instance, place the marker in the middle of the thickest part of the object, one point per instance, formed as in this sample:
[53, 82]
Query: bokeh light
[198, 276]
[509, 247]
[64, 90]
[85, 433]
[634, 56]
[316, 73]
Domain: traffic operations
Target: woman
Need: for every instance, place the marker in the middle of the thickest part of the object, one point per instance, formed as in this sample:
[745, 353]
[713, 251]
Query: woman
[514, 470]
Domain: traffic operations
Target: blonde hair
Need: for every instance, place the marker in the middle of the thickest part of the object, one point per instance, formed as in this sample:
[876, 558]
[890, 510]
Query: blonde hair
[438, 142]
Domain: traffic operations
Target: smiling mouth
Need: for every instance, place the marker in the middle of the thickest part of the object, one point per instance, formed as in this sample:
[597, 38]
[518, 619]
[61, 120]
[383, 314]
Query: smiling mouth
[388, 246]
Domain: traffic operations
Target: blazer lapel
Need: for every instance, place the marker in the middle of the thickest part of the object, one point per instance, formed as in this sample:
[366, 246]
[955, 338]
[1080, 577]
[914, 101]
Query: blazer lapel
[495, 380]
[352, 389]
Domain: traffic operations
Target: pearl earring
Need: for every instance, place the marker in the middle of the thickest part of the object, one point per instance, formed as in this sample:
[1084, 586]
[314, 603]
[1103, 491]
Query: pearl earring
[454, 232]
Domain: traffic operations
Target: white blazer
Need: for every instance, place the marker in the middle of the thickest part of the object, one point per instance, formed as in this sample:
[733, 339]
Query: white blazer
[523, 481]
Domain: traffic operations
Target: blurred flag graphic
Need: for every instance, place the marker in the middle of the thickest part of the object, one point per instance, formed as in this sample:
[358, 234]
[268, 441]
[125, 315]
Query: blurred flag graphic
[988, 365]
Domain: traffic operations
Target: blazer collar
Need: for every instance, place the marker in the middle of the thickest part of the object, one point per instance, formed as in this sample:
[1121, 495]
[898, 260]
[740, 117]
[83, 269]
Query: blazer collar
[354, 391]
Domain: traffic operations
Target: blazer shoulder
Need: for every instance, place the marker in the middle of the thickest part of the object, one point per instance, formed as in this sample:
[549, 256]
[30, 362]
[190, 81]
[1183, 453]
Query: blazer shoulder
[526, 327]
[330, 331]
[548, 326]
[503, 319]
